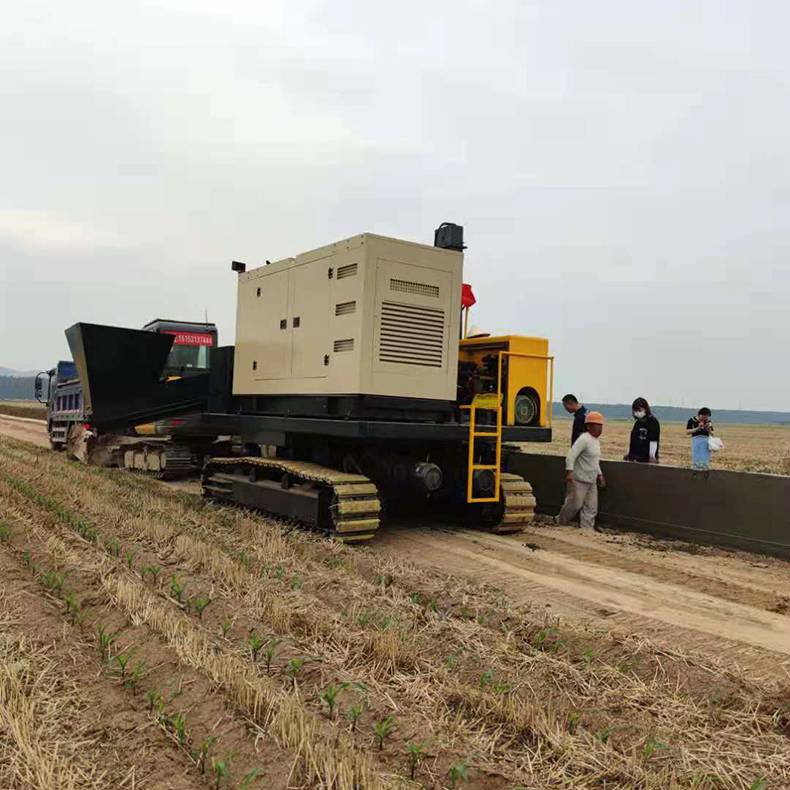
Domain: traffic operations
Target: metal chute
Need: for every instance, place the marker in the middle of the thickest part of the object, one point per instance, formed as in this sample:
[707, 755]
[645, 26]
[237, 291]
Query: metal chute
[121, 372]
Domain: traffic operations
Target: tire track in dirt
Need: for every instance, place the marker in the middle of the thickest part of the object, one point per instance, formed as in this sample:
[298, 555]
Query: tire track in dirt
[756, 589]
[606, 595]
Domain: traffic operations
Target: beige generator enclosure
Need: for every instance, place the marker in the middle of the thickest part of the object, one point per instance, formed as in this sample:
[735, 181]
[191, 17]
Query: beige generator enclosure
[366, 316]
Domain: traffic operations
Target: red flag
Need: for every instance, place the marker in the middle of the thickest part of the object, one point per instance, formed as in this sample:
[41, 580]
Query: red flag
[467, 297]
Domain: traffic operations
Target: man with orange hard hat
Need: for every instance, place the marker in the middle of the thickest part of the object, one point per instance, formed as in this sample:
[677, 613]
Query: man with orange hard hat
[583, 474]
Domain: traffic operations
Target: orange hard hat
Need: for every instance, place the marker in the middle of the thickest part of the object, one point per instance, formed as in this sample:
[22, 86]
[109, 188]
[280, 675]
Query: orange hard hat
[595, 417]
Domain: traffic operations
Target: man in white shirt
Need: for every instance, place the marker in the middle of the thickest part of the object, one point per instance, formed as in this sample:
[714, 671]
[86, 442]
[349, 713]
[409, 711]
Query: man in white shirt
[583, 474]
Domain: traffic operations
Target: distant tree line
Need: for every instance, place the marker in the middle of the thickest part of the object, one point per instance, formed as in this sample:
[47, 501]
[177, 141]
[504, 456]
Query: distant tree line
[13, 388]
[622, 411]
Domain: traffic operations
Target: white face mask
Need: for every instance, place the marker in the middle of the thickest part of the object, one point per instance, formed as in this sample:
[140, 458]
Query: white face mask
[640, 413]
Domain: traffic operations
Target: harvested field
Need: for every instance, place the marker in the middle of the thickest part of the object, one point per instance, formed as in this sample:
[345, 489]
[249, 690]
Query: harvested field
[24, 408]
[223, 649]
[748, 448]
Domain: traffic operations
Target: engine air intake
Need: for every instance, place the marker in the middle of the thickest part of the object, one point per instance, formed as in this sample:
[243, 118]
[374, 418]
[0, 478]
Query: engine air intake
[349, 270]
[418, 289]
[345, 308]
[411, 335]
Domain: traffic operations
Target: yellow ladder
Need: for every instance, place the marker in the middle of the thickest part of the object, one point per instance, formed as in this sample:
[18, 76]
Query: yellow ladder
[489, 401]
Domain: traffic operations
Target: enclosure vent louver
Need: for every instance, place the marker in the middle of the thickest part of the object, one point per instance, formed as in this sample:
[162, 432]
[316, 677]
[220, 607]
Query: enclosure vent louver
[418, 289]
[345, 308]
[344, 345]
[411, 335]
[349, 270]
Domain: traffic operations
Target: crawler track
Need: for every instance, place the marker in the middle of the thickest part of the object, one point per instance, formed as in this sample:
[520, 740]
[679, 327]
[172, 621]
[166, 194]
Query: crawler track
[347, 506]
[519, 510]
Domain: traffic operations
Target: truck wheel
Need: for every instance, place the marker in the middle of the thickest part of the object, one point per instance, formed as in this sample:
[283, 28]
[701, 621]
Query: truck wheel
[526, 408]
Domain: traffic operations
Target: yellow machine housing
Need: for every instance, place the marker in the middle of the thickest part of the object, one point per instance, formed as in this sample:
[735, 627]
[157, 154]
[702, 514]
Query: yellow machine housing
[527, 373]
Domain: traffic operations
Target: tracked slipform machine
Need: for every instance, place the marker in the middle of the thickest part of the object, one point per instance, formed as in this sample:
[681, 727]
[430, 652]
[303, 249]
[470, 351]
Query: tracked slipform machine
[349, 392]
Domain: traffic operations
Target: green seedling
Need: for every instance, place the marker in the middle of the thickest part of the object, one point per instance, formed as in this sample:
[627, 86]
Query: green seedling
[587, 656]
[416, 598]
[176, 588]
[105, 640]
[603, 735]
[628, 664]
[363, 619]
[487, 678]
[329, 696]
[27, 559]
[179, 724]
[225, 627]
[199, 604]
[356, 685]
[383, 729]
[296, 582]
[53, 581]
[458, 773]
[249, 778]
[244, 558]
[90, 534]
[573, 722]
[5, 533]
[651, 746]
[353, 715]
[547, 639]
[279, 573]
[123, 660]
[451, 662]
[416, 752]
[295, 666]
[130, 559]
[266, 569]
[761, 783]
[154, 700]
[113, 547]
[271, 649]
[205, 745]
[136, 676]
[72, 606]
[153, 570]
[256, 643]
[221, 770]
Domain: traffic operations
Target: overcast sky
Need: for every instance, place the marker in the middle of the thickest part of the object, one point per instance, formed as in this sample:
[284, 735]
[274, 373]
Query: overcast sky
[622, 170]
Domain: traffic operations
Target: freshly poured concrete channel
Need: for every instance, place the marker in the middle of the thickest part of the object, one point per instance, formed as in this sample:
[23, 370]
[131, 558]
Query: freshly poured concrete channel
[740, 510]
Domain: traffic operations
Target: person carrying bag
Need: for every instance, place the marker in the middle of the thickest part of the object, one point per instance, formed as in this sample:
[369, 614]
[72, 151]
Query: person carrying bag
[700, 429]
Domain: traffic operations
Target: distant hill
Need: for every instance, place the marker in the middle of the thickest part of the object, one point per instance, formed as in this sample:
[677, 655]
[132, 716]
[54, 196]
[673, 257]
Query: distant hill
[17, 374]
[16, 388]
[622, 411]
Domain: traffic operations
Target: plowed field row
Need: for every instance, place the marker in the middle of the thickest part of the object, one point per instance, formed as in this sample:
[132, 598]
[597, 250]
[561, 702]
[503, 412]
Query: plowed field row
[243, 653]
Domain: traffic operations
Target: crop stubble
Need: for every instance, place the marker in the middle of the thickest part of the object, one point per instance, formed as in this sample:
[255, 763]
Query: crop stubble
[516, 697]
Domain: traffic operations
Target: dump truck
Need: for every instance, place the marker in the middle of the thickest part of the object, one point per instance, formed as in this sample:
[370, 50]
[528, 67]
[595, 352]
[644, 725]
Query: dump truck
[350, 390]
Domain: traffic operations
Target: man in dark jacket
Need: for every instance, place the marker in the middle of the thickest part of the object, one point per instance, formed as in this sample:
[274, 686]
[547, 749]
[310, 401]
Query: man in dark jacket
[579, 412]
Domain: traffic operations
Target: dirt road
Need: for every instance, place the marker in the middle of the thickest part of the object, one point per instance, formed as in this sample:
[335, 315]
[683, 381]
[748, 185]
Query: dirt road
[27, 430]
[732, 606]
